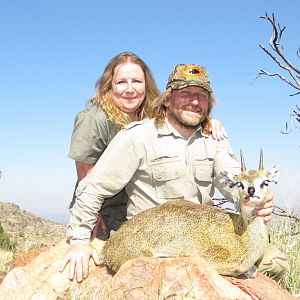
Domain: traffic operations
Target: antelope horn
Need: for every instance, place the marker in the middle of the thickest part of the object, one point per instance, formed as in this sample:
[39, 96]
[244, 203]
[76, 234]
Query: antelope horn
[261, 160]
[243, 166]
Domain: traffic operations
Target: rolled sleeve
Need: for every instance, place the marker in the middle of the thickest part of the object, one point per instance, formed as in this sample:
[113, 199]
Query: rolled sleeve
[83, 215]
[225, 159]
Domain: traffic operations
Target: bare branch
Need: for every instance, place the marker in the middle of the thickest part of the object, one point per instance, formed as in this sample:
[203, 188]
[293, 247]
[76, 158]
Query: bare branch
[287, 129]
[295, 115]
[294, 76]
[298, 93]
[285, 64]
[281, 60]
[283, 213]
[263, 72]
[275, 40]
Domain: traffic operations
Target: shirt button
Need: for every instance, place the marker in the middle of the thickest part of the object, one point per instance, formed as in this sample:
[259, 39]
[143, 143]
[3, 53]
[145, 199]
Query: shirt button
[159, 176]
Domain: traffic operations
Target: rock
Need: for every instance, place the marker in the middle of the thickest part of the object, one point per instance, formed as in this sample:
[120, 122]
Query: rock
[170, 278]
[141, 278]
[185, 278]
[22, 259]
[263, 287]
[40, 279]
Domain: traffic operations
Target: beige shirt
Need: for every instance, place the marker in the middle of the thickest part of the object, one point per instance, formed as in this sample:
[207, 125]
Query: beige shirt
[155, 165]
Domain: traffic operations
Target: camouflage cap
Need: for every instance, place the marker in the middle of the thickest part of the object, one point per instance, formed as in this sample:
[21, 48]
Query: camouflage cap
[183, 76]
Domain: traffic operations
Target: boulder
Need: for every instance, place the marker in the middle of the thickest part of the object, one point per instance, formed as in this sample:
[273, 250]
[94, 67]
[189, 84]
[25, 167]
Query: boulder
[40, 279]
[185, 278]
[141, 278]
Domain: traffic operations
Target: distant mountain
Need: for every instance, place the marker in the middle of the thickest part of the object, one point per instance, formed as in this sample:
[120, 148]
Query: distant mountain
[56, 218]
[28, 230]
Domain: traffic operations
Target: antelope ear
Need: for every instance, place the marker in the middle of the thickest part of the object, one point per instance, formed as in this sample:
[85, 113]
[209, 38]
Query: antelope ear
[274, 174]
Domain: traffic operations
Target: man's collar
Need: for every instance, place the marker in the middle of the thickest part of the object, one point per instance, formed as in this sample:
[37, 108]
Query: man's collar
[167, 129]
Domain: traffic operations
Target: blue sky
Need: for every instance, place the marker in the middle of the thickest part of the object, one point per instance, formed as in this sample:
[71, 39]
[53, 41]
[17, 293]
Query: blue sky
[52, 53]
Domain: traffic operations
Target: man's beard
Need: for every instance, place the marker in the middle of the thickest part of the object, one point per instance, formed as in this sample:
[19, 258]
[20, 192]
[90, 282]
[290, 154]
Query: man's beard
[184, 121]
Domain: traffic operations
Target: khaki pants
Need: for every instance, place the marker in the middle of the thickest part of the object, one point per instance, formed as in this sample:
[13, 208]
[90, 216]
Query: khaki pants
[273, 263]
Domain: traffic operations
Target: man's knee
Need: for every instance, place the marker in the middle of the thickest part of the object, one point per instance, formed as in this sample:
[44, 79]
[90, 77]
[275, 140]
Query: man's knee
[273, 263]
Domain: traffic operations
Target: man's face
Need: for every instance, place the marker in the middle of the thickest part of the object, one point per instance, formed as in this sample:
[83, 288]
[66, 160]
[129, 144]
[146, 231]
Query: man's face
[188, 107]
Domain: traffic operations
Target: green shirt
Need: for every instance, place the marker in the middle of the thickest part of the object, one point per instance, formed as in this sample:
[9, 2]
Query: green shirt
[92, 132]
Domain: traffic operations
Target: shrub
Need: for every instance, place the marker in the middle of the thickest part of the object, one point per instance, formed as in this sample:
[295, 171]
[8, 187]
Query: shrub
[5, 242]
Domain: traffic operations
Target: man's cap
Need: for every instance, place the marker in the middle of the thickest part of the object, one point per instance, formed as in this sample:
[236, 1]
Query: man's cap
[183, 76]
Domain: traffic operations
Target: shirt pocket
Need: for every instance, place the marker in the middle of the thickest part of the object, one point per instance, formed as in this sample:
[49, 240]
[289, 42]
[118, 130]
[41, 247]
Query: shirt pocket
[168, 177]
[203, 169]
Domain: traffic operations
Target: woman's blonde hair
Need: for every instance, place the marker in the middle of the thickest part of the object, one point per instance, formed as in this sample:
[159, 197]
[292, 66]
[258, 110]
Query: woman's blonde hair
[158, 110]
[103, 87]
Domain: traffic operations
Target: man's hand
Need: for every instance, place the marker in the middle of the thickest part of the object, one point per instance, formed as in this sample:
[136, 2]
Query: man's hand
[78, 257]
[266, 210]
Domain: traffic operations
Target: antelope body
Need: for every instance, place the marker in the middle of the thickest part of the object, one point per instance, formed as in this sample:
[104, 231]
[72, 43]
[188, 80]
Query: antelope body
[231, 243]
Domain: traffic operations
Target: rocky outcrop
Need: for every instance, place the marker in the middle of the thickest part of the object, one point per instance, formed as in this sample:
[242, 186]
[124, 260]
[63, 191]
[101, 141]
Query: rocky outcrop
[40, 279]
[142, 278]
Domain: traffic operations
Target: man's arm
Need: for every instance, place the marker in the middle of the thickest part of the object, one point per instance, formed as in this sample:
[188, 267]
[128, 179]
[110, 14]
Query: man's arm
[82, 170]
[110, 175]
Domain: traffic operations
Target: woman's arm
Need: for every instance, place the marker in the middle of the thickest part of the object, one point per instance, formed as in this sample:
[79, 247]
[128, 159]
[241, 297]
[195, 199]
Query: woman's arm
[217, 130]
[83, 169]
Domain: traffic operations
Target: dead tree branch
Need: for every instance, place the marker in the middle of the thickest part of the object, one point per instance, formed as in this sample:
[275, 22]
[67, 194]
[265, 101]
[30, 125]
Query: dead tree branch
[283, 213]
[279, 57]
[277, 54]
[294, 115]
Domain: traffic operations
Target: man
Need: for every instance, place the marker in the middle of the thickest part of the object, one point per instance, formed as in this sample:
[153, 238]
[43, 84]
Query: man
[168, 157]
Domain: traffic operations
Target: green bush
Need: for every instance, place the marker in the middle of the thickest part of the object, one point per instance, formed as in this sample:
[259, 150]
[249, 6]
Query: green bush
[5, 242]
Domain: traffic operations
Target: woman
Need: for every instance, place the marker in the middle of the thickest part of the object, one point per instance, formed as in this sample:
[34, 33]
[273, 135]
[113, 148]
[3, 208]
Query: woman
[123, 94]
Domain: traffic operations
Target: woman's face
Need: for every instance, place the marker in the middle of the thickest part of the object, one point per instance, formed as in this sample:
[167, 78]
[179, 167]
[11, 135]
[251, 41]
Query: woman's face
[128, 87]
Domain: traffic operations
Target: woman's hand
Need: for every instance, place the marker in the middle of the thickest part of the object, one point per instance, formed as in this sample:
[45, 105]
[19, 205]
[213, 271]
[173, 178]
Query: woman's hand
[217, 130]
[100, 223]
[267, 209]
[78, 257]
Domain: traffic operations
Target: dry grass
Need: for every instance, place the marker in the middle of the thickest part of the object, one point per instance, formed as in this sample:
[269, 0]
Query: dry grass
[285, 234]
[5, 257]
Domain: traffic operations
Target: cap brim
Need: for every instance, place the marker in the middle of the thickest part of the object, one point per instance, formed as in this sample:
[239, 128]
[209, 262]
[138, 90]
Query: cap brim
[178, 85]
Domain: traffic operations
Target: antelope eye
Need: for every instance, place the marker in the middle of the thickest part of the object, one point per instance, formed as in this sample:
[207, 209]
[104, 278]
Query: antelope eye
[265, 183]
[238, 184]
